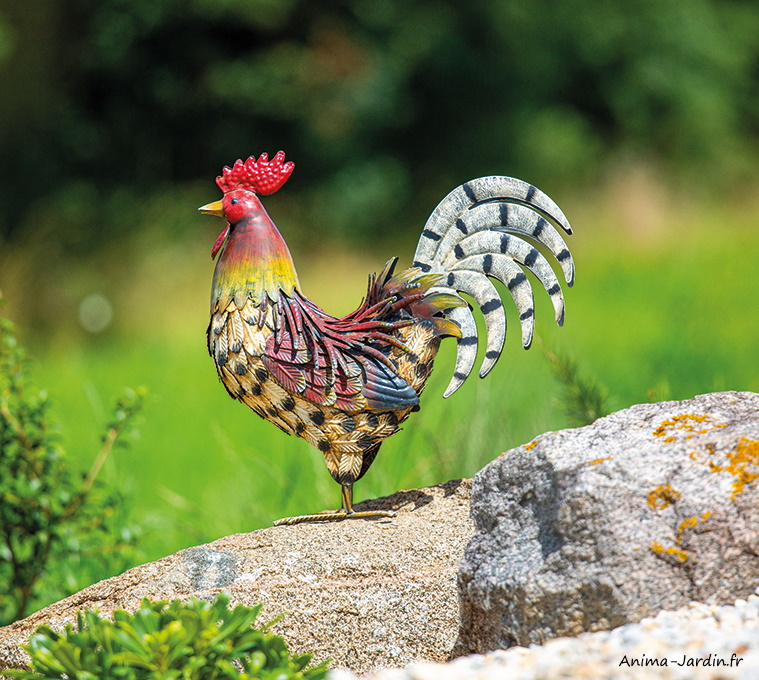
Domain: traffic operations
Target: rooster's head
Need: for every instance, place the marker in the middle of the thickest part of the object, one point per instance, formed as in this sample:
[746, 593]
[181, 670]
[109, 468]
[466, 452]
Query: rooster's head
[241, 184]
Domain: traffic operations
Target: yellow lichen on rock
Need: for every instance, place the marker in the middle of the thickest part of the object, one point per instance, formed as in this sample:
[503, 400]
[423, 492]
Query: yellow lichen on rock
[662, 496]
[687, 523]
[686, 422]
[598, 461]
[742, 463]
[676, 550]
[679, 553]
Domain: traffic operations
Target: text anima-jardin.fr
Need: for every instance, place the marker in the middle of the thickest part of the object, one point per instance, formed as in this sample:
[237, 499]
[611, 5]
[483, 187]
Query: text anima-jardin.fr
[709, 660]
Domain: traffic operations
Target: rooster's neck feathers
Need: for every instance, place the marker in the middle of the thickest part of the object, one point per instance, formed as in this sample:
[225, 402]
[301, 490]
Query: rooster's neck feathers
[254, 263]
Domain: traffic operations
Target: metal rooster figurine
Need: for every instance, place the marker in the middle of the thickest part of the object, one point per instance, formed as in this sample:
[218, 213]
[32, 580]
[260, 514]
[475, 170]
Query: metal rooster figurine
[344, 385]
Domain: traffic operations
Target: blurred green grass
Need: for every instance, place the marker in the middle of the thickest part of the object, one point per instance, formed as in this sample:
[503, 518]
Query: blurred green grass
[663, 308]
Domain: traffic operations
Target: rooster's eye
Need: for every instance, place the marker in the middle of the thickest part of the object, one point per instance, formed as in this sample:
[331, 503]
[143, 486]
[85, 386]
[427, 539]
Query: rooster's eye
[234, 201]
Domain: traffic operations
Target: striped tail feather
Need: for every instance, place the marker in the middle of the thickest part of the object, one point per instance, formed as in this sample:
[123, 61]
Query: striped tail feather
[482, 229]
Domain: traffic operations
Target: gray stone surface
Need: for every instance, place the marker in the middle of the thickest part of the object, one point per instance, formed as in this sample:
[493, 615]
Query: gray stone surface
[589, 529]
[698, 642]
[366, 593]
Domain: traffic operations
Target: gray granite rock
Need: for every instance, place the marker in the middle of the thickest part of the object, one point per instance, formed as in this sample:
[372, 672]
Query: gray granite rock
[588, 529]
[698, 642]
[366, 593]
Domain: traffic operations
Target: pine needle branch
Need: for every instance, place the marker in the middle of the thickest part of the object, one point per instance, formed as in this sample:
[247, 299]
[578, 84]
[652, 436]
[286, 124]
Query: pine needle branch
[583, 399]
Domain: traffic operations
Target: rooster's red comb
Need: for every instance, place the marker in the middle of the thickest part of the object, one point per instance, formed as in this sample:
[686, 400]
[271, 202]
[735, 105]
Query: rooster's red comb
[262, 176]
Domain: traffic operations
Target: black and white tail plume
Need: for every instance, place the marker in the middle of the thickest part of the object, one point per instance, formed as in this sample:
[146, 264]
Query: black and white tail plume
[478, 231]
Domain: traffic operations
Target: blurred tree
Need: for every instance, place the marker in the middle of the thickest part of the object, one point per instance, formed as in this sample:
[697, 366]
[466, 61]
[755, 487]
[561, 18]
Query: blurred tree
[382, 102]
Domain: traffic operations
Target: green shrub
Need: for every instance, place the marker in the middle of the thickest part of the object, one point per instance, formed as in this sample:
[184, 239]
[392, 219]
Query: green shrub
[52, 517]
[198, 640]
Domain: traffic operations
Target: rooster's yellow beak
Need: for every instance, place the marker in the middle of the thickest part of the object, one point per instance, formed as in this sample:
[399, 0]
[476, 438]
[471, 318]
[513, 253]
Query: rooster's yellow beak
[212, 209]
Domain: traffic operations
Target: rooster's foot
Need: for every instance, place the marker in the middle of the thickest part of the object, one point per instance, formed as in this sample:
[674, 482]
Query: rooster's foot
[333, 516]
[346, 512]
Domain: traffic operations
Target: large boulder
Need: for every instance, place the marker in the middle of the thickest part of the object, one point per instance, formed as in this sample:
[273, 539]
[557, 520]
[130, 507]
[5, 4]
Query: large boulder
[698, 642]
[366, 593]
[588, 529]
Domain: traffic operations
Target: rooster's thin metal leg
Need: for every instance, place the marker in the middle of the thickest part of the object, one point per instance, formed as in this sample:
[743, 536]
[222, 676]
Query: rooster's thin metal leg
[346, 512]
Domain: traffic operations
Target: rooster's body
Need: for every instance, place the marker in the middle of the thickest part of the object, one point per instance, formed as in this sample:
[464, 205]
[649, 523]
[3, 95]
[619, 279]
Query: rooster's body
[346, 384]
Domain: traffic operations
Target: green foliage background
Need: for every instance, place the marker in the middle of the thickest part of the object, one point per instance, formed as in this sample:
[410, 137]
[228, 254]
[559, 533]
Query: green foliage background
[640, 118]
